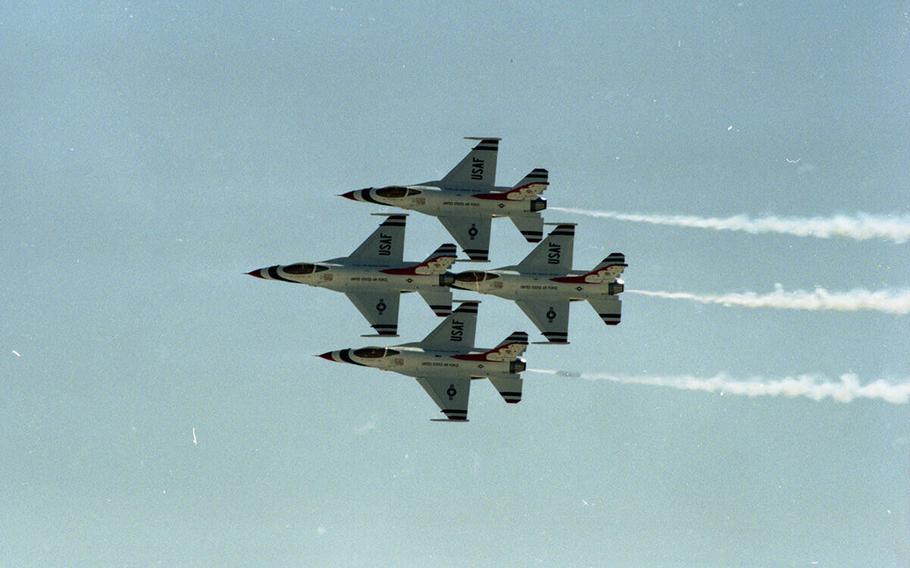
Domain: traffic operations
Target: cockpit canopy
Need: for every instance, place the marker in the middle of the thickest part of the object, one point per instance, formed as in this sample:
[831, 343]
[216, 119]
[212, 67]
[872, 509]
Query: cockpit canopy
[374, 352]
[303, 268]
[475, 276]
[394, 191]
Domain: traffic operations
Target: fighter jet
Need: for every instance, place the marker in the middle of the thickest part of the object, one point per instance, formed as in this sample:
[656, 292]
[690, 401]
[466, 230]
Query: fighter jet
[544, 283]
[467, 198]
[374, 276]
[446, 362]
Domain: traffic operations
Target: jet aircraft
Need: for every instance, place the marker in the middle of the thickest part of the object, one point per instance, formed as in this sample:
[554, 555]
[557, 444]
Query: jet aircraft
[446, 362]
[544, 283]
[374, 276]
[467, 198]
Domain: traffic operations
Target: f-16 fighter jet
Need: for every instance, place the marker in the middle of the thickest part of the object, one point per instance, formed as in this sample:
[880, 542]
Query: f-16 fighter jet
[374, 276]
[544, 283]
[446, 362]
[467, 198]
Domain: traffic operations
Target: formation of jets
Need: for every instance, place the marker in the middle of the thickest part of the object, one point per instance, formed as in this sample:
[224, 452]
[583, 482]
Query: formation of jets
[466, 200]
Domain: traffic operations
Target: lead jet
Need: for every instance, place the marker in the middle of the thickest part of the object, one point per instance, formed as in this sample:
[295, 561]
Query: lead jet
[544, 284]
[446, 362]
[374, 276]
[467, 198]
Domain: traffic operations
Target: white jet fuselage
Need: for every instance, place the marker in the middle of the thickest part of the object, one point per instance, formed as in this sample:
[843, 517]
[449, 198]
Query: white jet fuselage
[417, 362]
[439, 201]
[513, 285]
[341, 277]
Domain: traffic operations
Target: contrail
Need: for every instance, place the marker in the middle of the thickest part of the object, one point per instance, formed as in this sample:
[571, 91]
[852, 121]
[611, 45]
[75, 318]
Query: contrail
[816, 387]
[861, 227]
[895, 301]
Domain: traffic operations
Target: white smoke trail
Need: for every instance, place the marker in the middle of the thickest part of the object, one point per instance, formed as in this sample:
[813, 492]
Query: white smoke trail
[861, 227]
[887, 301]
[816, 387]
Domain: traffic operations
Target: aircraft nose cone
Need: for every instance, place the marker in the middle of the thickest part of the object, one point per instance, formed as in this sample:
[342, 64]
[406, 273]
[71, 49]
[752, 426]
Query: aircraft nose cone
[352, 195]
[327, 356]
[256, 273]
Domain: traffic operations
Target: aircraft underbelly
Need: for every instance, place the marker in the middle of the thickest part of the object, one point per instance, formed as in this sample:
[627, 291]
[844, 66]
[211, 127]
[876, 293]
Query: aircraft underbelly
[521, 288]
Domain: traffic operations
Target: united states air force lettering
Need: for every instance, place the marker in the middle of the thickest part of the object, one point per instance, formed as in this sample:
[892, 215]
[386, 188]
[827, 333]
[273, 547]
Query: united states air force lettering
[477, 169]
[554, 251]
[457, 331]
[385, 244]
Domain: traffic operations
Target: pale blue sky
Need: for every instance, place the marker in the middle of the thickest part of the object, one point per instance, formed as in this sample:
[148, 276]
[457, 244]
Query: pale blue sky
[154, 152]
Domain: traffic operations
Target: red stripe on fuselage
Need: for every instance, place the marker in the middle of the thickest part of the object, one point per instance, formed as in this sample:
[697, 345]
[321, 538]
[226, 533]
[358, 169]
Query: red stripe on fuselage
[483, 356]
[504, 195]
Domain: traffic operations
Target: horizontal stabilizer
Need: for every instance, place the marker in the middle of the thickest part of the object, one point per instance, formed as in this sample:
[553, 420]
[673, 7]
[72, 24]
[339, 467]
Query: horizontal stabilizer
[439, 300]
[440, 261]
[508, 349]
[530, 225]
[531, 185]
[609, 308]
[509, 388]
[608, 270]
[528, 189]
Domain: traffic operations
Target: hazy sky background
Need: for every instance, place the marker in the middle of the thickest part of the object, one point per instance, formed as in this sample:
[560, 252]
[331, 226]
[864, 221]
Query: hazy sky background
[154, 152]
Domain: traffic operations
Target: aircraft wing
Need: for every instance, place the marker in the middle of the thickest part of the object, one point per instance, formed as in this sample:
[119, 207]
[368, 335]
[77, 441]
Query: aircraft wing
[550, 316]
[456, 333]
[609, 308]
[477, 170]
[380, 309]
[385, 246]
[450, 394]
[553, 255]
[472, 233]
